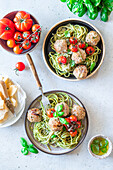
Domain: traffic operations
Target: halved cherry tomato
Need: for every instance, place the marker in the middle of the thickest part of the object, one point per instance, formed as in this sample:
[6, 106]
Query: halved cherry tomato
[26, 44]
[18, 36]
[68, 119]
[18, 49]
[81, 44]
[79, 124]
[73, 118]
[73, 40]
[11, 43]
[62, 60]
[36, 28]
[26, 34]
[20, 66]
[90, 50]
[73, 48]
[34, 38]
[73, 134]
[50, 112]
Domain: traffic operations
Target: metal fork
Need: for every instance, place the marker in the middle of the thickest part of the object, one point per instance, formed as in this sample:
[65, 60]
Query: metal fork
[45, 100]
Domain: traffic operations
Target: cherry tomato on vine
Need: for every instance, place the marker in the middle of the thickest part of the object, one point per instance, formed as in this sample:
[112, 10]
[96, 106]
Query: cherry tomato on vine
[11, 43]
[73, 118]
[34, 38]
[73, 134]
[90, 50]
[79, 124]
[18, 36]
[50, 112]
[81, 44]
[20, 66]
[26, 44]
[18, 49]
[73, 40]
[62, 60]
[26, 34]
[36, 28]
[73, 48]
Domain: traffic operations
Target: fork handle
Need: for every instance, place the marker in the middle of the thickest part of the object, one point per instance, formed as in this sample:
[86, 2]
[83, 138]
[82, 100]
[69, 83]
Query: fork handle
[33, 69]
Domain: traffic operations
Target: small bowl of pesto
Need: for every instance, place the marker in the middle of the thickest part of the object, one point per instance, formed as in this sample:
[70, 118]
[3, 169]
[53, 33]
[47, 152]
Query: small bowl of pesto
[100, 146]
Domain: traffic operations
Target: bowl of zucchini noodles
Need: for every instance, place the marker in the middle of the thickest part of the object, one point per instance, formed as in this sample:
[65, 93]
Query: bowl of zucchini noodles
[55, 142]
[73, 50]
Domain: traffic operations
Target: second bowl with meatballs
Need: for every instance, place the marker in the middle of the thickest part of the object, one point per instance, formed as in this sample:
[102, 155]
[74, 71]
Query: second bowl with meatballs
[73, 50]
[59, 128]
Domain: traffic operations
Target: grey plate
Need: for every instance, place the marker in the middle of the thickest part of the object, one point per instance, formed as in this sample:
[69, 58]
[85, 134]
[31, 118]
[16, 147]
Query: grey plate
[58, 150]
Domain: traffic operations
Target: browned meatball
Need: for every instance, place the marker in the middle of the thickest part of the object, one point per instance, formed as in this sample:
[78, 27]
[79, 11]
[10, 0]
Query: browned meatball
[65, 108]
[60, 46]
[80, 72]
[79, 56]
[55, 124]
[34, 115]
[78, 111]
[92, 38]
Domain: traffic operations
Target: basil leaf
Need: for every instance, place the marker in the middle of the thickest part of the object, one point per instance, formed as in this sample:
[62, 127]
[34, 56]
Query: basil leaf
[60, 113]
[92, 66]
[67, 34]
[55, 114]
[72, 63]
[63, 121]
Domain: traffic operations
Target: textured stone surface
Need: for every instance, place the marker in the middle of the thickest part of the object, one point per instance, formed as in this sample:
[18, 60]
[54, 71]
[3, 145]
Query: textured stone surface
[96, 93]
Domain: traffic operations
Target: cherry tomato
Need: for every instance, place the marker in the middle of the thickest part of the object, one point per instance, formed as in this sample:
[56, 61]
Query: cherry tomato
[73, 118]
[79, 124]
[34, 38]
[73, 40]
[68, 119]
[73, 134]
[62, 60]
[81, 45]
[36, 28]
[11, 43]
[90, 50]
[26, 34]
[18, 36]
[50, 112]
[20, 66]
[17, 49]
[26, 44]
[73, 48]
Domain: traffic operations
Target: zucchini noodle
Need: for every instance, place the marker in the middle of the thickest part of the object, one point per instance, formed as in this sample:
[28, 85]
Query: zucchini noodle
[42, 132]
[80, 33]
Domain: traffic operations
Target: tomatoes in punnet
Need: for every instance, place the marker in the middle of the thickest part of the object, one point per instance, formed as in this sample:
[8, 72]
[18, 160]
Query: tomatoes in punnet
[26, 44]
[7, 29]
[73, 118]
[34, 38]
[36, 28]
[11, 43]
[18, 49]
[73, 48]
[90, 50]
[22, 20]
[73, 134]
[20, 66]
[81, 45]
[73, 40]
[18, 36]
[62, 60]
[50, 112]
[26, 34]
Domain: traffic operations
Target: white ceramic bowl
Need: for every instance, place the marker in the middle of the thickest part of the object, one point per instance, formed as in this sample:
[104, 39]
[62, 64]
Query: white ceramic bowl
[100, 156]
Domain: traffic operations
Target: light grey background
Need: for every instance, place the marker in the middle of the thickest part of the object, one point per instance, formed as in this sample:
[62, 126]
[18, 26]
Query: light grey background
[96, 93]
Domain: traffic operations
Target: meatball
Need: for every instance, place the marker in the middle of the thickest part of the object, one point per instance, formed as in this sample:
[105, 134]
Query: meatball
[92, 38]
[34, 115]
[60, 46]
[55, 124]
[65, 108]
[79, 56]
[80, 72]
[78, 111]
